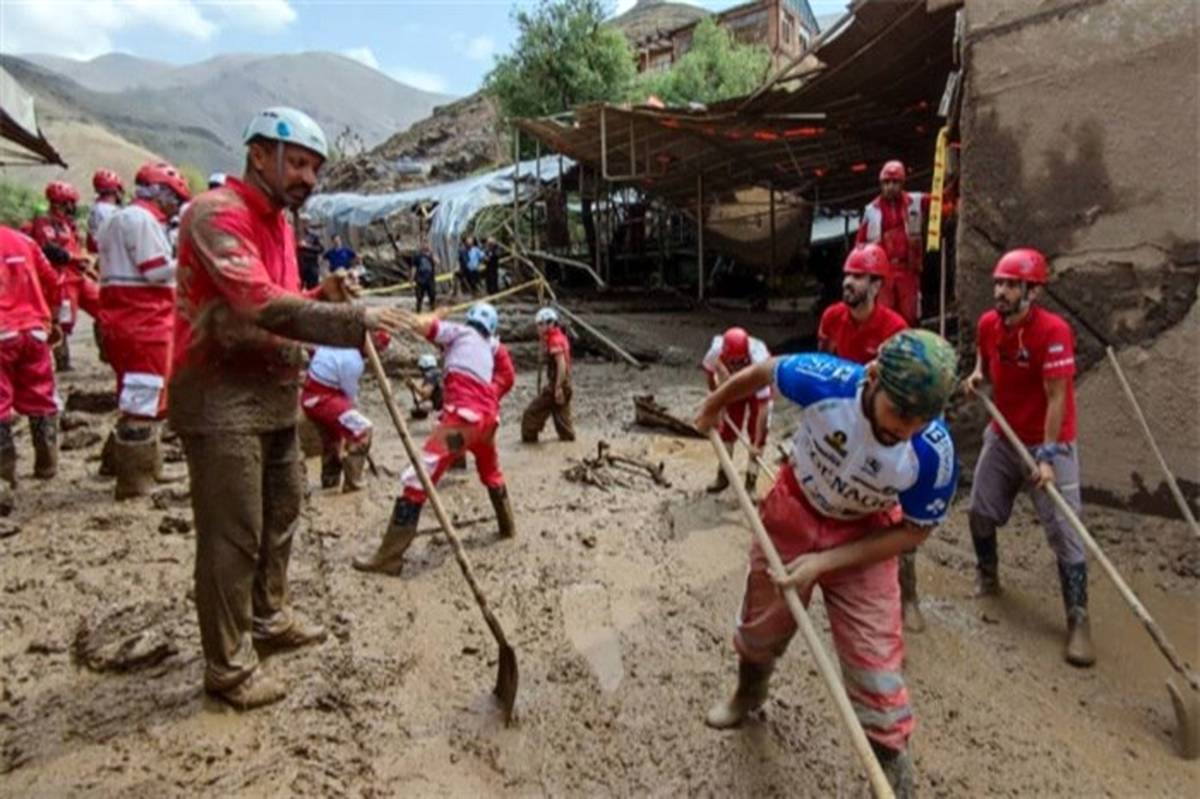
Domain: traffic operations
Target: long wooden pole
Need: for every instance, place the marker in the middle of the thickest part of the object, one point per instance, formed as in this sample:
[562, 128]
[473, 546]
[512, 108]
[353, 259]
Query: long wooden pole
[829, 674]
[1096, 552]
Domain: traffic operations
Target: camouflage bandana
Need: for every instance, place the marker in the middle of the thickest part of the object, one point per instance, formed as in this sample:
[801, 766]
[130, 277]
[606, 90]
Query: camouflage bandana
[917, 369]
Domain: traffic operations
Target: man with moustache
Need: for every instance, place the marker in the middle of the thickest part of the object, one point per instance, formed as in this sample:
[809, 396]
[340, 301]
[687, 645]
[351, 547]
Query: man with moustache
[1028, 354]
[234, 396]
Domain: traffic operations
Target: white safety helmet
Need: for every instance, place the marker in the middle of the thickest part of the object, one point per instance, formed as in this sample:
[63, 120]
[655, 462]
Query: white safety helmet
[427, 362]
[546, 316]
[216, 179]
[484, 314]
[287, 125]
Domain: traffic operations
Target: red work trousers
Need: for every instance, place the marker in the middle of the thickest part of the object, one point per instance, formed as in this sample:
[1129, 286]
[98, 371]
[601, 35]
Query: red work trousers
[452, 439]
[26, 375]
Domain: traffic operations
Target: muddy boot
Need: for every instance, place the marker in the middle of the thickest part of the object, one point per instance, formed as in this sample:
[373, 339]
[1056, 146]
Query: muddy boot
[331, 469]
[987, 561]
[62, 355]
[720, 484]
[107, 467]
[402, 529]
[1079, 651]
[255, 691]
[300, 634]
[750, 694]
[136, 459]
[8, 499]
[751, 481]
[504, 514]
[8, 455]
[910, 603]
[44, 432]
[459, 465]
[897, 766]
[354, 466]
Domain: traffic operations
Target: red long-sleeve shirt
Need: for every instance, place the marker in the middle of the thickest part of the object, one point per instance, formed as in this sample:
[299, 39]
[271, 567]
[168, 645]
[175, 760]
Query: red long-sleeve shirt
[29, 285]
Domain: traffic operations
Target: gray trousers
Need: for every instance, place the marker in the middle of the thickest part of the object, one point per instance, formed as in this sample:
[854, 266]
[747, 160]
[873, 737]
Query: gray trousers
[1001, 474]
[246, 495]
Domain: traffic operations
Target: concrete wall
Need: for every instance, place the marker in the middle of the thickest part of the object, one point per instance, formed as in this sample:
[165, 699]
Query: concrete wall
[1081, 134]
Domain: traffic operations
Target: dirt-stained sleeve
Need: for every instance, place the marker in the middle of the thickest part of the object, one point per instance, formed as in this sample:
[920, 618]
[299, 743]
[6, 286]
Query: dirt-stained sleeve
[47, 277]
[224, 244]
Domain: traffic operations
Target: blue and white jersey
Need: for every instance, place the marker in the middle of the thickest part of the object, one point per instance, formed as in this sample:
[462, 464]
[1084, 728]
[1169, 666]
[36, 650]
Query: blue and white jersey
[843, 470]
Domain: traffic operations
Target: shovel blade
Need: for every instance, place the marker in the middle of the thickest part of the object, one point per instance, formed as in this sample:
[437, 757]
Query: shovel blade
[506, 683]
[1187, 719]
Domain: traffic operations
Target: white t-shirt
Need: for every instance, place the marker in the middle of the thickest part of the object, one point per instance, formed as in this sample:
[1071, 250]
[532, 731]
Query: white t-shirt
[758, 354]
[337, 367]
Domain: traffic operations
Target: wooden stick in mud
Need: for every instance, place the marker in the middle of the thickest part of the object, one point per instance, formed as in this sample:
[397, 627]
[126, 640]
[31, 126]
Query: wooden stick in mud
[829, 674]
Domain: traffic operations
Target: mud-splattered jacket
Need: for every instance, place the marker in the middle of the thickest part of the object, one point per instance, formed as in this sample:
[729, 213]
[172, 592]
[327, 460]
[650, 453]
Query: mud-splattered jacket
[78, 290]
[239, 315]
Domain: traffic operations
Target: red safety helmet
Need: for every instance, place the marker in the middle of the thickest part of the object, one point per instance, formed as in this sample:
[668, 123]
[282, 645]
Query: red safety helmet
[160, 173]
[1025, 264]
[107, 180]
[380, 339]
[870, 259]
[735, 345]
[893, 170]
[61, 192]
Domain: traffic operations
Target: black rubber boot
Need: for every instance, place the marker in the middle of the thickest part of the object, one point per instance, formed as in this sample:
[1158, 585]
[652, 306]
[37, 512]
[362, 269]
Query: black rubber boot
[331, 469]
[107, 467]
[1073, 579]
[401, 530]
[753, 683]
[44, 432]
[504, 514]
[987, 559]
[897, 766]
[8, 469]
[720, 484]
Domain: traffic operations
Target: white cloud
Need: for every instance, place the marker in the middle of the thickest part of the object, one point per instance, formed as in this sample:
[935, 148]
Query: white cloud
[420, 79]
[86, 28]
[476, 48]
[263, 16]
[624, 5]
[363, 55]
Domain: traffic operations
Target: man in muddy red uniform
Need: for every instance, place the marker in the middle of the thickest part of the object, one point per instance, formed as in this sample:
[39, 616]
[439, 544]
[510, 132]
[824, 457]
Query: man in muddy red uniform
[137, 311]
[871, 473]
[478, 373]
[1028, 353]
[895, 220]
[729, 353]
[29, 289]
[234, 397]
[56, 230]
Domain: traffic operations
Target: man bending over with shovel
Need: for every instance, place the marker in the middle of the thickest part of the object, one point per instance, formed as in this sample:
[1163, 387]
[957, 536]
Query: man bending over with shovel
[478, 373]
[872, 472]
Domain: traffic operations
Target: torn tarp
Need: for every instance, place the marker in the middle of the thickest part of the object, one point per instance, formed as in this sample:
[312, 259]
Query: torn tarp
[457, 203]
[21, 139]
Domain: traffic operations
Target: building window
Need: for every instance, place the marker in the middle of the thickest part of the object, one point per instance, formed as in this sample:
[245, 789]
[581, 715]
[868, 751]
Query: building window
[785, 29]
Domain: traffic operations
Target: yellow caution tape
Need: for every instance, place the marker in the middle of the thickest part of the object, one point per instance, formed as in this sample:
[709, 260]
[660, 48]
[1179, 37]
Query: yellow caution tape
[933, 242]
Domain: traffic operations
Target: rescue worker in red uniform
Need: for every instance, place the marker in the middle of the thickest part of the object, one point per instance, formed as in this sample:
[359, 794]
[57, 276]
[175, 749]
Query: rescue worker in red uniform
[478, 374]
[554, 400]
[728, 354]
[1028, 354]
[137, 313]
[29, 289]
[330, 401]
[854, 329]
[57, 229]
[895, 220]
[235, 381]
[110, 197]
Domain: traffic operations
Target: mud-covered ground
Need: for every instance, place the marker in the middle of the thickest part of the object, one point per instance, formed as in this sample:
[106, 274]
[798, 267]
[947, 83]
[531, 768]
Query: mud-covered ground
[620, 606]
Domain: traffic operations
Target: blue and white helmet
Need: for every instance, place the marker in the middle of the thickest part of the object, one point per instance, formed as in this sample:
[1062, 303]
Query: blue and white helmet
[427, 362]
[546, 316]
[289, 126]
[484, 314]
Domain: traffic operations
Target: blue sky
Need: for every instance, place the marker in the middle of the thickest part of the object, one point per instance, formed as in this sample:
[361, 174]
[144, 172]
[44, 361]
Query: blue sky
[439, 45]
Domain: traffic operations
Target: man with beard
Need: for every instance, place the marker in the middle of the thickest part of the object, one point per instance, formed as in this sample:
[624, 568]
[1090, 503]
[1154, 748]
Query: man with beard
[1028, 354]
[871, 474]
[854, 329]
[895, 220]
[233, 396]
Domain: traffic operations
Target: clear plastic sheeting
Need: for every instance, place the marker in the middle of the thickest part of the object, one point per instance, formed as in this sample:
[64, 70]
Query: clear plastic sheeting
[456, 204]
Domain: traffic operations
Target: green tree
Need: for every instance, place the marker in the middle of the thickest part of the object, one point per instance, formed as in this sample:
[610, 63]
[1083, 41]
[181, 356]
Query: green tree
[19, 204]
[564, 56]
[716, 67]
